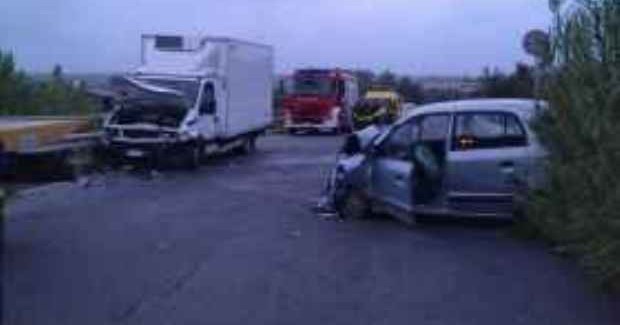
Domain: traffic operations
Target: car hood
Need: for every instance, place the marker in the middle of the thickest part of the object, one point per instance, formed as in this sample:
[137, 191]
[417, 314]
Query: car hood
[349, 164]
[367, 135]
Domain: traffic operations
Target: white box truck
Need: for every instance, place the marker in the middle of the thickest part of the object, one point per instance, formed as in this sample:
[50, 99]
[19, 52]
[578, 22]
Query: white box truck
[192, 96]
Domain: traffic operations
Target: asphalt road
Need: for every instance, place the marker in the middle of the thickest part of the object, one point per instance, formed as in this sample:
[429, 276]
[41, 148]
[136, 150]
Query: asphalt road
[236, 243]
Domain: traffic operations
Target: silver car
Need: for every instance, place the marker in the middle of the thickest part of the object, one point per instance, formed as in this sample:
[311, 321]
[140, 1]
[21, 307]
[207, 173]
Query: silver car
[464, 158]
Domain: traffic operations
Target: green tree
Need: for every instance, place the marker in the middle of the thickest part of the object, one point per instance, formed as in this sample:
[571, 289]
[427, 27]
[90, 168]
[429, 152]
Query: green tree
[386, 78]
[518, 84]
[57, 73]
[411, 92]
[16, 88]
[20, 95]
[578, 207]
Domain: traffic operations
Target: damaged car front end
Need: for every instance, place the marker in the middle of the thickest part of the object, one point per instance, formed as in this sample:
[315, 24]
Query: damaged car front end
[348, 172]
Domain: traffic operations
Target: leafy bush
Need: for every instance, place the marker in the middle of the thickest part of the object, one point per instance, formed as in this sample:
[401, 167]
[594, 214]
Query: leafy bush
[579, 210]
[519, 84]
[21, 95]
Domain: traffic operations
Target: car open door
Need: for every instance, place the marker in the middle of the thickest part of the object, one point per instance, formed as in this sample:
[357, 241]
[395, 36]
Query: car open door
[429, 156]
[391, 173]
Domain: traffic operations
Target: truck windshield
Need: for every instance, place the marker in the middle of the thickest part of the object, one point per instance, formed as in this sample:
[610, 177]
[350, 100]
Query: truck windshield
[156, 110]
[313, 86]
[189, 88]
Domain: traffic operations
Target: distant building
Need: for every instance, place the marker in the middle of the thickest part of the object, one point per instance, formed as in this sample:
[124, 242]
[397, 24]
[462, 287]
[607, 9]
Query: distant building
[464, 86]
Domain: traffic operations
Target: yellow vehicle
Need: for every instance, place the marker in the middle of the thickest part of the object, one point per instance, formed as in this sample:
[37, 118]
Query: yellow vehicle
[379, 105]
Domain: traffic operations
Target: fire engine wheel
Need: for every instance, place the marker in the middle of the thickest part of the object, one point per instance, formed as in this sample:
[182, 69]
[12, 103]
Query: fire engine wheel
[354, 205]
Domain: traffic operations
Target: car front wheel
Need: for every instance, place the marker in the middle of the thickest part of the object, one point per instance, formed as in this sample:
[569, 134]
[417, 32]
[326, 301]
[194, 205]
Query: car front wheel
[354, 205]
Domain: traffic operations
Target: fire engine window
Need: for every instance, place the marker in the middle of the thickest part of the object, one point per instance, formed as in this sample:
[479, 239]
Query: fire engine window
[340, 86]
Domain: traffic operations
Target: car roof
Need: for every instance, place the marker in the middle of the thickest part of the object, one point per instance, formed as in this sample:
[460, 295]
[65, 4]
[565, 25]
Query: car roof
[525, 108]
[522, 107]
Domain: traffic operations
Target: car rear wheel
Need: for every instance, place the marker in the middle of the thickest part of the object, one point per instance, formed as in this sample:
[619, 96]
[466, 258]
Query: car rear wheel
[354, 205]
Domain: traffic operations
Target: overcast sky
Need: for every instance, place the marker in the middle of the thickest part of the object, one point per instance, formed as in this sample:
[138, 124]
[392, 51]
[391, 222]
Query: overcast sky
[418, 37]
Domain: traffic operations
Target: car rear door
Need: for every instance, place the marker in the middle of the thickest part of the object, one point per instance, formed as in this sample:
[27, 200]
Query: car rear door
[487, 160]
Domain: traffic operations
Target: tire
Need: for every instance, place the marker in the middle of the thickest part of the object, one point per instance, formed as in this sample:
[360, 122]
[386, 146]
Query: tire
[248, 146]
[291, 131]
[194, 156]
[251, 144]
[354, 205]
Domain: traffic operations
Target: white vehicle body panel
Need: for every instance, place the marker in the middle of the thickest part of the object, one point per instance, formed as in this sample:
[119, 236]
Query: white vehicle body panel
[240, 73]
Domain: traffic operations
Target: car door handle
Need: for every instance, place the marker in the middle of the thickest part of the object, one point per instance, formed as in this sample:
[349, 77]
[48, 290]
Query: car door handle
[506, 164]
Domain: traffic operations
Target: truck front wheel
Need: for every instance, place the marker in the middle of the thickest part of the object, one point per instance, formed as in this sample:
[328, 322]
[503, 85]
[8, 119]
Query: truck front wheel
[193, 158]
[248, 145]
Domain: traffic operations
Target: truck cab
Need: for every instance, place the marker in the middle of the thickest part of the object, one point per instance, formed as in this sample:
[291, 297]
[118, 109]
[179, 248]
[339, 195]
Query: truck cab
[320, 100]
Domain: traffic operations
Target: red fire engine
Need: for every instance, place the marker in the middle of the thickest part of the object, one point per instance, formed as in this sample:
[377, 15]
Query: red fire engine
[320, 99]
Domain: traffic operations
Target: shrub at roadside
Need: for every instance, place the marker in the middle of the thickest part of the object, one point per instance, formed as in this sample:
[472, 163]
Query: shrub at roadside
[21, 95]
[579, 210]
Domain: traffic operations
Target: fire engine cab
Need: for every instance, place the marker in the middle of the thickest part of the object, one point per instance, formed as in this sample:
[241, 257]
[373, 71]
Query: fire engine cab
[320, 100]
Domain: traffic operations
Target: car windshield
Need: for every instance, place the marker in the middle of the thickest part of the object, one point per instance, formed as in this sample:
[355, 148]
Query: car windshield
[189, 88]
[151, 108]
[313, 86]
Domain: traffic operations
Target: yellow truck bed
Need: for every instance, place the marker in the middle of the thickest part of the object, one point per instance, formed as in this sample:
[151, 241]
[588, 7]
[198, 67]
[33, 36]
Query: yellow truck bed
[23, 135]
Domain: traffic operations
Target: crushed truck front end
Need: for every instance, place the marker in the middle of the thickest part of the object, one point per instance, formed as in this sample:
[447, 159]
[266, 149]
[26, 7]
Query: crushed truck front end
[151, 121]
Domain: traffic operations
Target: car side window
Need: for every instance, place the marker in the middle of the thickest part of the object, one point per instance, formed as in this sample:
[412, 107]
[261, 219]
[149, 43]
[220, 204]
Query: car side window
[487, 131]
[398, 144]
[434, 127]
